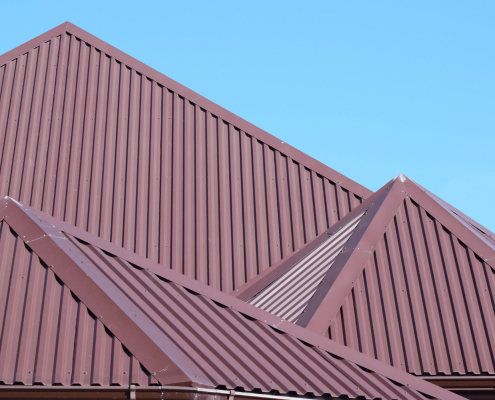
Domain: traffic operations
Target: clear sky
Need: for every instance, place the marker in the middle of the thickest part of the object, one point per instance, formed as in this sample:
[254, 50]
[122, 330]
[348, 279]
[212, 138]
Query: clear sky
[370, 88]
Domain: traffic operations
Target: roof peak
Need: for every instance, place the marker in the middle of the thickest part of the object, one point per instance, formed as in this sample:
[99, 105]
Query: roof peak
[380, 210]
[194, 98]
[65, 69]
[401, 177]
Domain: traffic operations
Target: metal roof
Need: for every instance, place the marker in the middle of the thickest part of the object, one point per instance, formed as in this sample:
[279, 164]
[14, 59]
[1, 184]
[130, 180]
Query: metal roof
[414, 286]
[289, 294]
[180, 330]
[48, 336]
[98, 139]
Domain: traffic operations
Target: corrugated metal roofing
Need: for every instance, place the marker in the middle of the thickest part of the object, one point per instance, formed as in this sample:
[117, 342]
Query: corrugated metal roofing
[438, 317]
[414, 286]
[47, 335]
[483, 233]
[101, 141]
[209, 337]
[289, 294]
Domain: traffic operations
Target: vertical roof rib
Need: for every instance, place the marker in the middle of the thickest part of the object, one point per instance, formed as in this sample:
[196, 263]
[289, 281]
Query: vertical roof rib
[199, 335]
[47, 334]
[104, 142]
[413, 286]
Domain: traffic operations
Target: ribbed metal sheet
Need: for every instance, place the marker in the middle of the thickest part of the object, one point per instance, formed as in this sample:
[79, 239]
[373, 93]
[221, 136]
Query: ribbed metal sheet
[90, 138]
[482, 232]
[424, 302]
[48, 336]
[413, 287]
[214, 337]
[247, 354]
[288, 296]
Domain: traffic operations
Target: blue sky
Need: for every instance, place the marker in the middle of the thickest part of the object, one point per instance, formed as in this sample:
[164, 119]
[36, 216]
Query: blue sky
[369, 88]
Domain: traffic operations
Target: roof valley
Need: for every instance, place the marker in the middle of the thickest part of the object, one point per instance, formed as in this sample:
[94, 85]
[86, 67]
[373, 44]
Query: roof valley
[211, 321]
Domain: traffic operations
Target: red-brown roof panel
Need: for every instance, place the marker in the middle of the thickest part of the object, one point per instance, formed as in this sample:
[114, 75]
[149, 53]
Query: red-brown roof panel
[48, 336]
[199, 333]
[100, 140]
[412, 286]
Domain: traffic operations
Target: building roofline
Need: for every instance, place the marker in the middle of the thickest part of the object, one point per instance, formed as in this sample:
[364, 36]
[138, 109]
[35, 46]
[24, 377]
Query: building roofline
[348, 266]
[33, 219]
[379, 210]
[126, 321]
[255, 285]
[141, 392]
[195, 98]
[35, 42]
[335, 286]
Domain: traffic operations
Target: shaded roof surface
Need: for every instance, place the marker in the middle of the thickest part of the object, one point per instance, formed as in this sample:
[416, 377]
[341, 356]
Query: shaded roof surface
[413, 286]
[180, 330]
[97, 139]
[290, 293]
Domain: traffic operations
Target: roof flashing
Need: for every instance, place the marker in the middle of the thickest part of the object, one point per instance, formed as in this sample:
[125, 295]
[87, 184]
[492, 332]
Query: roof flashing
[22, 219]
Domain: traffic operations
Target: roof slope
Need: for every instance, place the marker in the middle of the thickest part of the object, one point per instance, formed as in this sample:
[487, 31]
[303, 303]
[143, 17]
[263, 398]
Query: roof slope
[102, 141]
[290, 293]
[414, 285]
[184, 332]
[47, 335]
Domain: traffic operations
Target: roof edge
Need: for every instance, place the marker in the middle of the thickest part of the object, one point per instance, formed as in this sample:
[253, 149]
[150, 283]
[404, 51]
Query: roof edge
[260, 282]
[222, 113]
[195, 98]
[38, 40]
[298, 332]
[145, 392]
[101, 296]
[335, 286]
[430, 204]
[349, 264]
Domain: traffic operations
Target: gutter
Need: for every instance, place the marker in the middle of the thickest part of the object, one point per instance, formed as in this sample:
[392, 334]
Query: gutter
[131, 392]
[471, 387]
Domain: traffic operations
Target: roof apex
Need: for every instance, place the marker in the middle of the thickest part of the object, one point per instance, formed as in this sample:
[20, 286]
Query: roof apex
[255, 285]
[193, 97]
[379, 212]
[401, 177]
[330, 295]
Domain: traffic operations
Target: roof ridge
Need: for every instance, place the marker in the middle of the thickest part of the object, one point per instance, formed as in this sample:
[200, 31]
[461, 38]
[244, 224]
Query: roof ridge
[255, 285]
[195, 98]
[459, 228]
[23, 218]
[350, 263]
[30, 44]
[459, 214]
[380, 210]
[101, 296]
